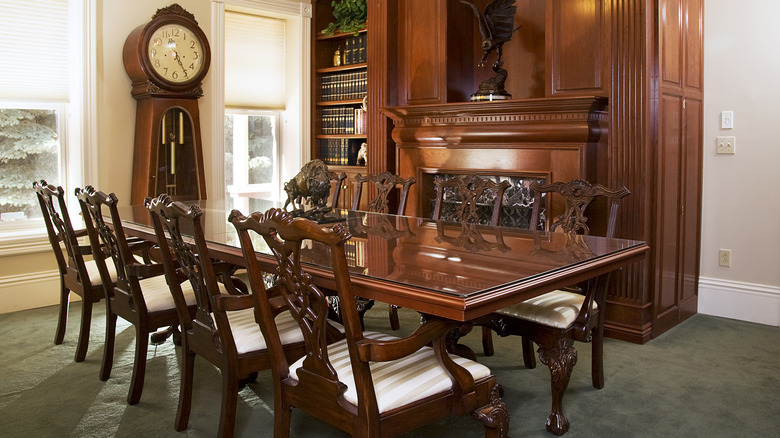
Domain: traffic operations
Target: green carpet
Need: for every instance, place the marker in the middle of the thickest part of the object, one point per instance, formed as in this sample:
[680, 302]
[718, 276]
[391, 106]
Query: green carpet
[707, 377]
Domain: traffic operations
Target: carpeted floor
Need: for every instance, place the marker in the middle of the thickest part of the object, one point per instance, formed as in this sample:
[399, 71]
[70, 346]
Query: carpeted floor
[708, 377]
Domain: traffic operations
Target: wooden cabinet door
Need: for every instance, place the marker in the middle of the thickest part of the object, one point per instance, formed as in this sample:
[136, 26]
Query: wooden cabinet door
[679, 158]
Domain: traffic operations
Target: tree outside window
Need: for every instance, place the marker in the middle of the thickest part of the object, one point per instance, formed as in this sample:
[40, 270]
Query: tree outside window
[29, 151]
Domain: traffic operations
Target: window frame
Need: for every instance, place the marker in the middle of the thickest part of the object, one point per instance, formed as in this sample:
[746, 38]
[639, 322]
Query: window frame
[295, 134]
[77, 129]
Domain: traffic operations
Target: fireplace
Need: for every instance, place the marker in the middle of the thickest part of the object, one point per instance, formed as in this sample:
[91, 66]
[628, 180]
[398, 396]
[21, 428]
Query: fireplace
[547, 140]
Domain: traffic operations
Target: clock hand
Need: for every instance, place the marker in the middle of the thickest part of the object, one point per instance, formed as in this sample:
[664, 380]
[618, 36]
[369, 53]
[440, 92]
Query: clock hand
[176, 57]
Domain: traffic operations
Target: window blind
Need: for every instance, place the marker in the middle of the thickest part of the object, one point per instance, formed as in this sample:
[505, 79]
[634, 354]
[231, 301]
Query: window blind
[34, 51]
[254, 61]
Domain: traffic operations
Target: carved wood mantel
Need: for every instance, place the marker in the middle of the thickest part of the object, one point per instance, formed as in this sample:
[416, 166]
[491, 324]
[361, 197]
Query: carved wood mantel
[558, 138]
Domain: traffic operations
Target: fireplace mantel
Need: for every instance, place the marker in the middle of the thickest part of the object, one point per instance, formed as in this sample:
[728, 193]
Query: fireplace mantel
[556, 139]
[499, 123]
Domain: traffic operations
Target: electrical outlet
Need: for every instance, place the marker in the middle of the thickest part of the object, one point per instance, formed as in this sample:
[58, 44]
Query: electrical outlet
[726, 145]
[724, 257]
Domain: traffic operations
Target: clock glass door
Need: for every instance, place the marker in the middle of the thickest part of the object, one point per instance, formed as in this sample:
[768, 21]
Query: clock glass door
[177, 172]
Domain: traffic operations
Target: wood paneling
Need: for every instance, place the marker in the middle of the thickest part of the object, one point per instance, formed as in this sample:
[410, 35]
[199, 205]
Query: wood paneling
[576, 58]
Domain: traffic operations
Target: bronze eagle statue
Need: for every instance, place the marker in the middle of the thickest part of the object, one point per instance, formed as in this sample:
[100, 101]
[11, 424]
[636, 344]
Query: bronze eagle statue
[496, 24]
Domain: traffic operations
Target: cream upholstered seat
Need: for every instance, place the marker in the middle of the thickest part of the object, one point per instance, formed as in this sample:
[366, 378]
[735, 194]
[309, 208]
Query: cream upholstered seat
[366, 384]
[249, 337]
[557, 308]
[398, 382]
[158, 296]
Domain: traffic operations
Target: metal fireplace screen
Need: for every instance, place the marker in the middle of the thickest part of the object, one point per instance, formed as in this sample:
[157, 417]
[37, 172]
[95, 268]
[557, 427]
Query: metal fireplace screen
[516, 207]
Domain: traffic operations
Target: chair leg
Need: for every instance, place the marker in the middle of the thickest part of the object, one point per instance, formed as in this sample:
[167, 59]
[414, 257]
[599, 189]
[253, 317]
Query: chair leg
[86, 323]
[597, 366]
[495, 415]
[487, 341]
[394, 323]
[139, 366]
[108, 347]
[62, 319]
[528, 353]
[560, 358]
[185, 390]
[227, 417]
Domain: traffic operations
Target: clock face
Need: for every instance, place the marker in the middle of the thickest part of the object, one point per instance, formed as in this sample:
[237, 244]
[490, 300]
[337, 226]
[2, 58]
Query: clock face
[175, 53]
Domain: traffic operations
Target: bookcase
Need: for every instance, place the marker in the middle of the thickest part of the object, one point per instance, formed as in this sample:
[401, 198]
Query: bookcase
[340, 87]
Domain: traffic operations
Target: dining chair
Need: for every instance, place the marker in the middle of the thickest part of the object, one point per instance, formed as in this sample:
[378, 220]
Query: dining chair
[384, 183]
[337, 181]
[556, 319]
[223, 330]
[141, 295]
[368, 384]
[77, 275]
[471, 191]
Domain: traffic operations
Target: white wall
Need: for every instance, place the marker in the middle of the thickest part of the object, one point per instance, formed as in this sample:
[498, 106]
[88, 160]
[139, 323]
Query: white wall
[740, 208]
[116, 108]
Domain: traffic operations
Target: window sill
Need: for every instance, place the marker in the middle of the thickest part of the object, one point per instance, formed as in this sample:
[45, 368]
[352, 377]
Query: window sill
[22, 242]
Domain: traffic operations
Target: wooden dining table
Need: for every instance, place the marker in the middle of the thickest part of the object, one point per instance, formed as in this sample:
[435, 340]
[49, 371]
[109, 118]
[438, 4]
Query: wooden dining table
[440, 269]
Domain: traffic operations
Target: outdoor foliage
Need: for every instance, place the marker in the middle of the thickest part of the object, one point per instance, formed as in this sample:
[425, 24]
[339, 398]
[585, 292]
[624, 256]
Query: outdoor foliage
[28, 151]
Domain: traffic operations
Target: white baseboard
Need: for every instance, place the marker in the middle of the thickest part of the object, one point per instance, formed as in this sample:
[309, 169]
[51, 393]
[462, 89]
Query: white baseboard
[737, 300]
[30, 291]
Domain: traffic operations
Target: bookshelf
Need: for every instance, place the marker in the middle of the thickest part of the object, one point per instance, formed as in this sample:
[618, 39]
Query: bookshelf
[340, 87]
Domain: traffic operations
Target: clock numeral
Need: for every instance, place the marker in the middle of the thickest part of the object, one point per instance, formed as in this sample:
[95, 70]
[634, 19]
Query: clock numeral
[176, 32]
[194, 55]
[157, 63]
[154, 53]
[192, 44]
[192, 66]
[157, 41]
[175, 75]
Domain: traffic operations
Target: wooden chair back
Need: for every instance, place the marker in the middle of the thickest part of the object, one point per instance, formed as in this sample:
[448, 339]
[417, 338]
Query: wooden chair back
[473, 190]
[384, 183]
[337, 181]
[578, 195]
[172, 221]
[74, 275]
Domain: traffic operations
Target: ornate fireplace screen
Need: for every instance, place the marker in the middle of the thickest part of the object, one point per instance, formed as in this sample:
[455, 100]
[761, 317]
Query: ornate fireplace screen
[517, 204]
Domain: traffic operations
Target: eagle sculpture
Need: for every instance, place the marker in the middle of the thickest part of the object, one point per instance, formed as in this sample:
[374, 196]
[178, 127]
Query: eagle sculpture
[496, 25]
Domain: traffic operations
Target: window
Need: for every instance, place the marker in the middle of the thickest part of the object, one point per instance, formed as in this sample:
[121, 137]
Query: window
[251, 151]
[254, 100]
[261, 60]
[42, 122]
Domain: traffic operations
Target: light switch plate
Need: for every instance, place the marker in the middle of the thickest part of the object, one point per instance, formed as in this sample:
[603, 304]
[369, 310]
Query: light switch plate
[726, 145]
[727, 119]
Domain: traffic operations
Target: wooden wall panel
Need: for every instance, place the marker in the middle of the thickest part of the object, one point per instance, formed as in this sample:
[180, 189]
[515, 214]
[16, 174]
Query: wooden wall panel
[423, 74]
[694, 45]
[671, 48]
[576, 55]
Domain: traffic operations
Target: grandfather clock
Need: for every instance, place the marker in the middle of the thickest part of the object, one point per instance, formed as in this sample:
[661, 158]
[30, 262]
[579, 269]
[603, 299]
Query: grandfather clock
[167, 59]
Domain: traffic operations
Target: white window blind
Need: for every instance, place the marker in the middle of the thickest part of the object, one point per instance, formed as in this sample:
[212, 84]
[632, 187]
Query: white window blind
[34, 50]
[254, 61]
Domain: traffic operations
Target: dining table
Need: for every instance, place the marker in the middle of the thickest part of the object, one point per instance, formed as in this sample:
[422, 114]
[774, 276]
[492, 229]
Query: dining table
[438, 268]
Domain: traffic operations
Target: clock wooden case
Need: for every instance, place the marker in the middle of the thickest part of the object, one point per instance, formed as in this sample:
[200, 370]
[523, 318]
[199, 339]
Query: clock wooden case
[167, 59]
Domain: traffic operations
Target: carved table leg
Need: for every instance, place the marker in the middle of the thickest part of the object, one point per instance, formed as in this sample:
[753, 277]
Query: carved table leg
[560, 358]
[495, 416]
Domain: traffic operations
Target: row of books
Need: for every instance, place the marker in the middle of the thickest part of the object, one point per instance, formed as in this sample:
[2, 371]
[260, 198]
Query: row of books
[340, 151]
[355, 250]
[355, 50]
[344, 86]
[343, 120]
